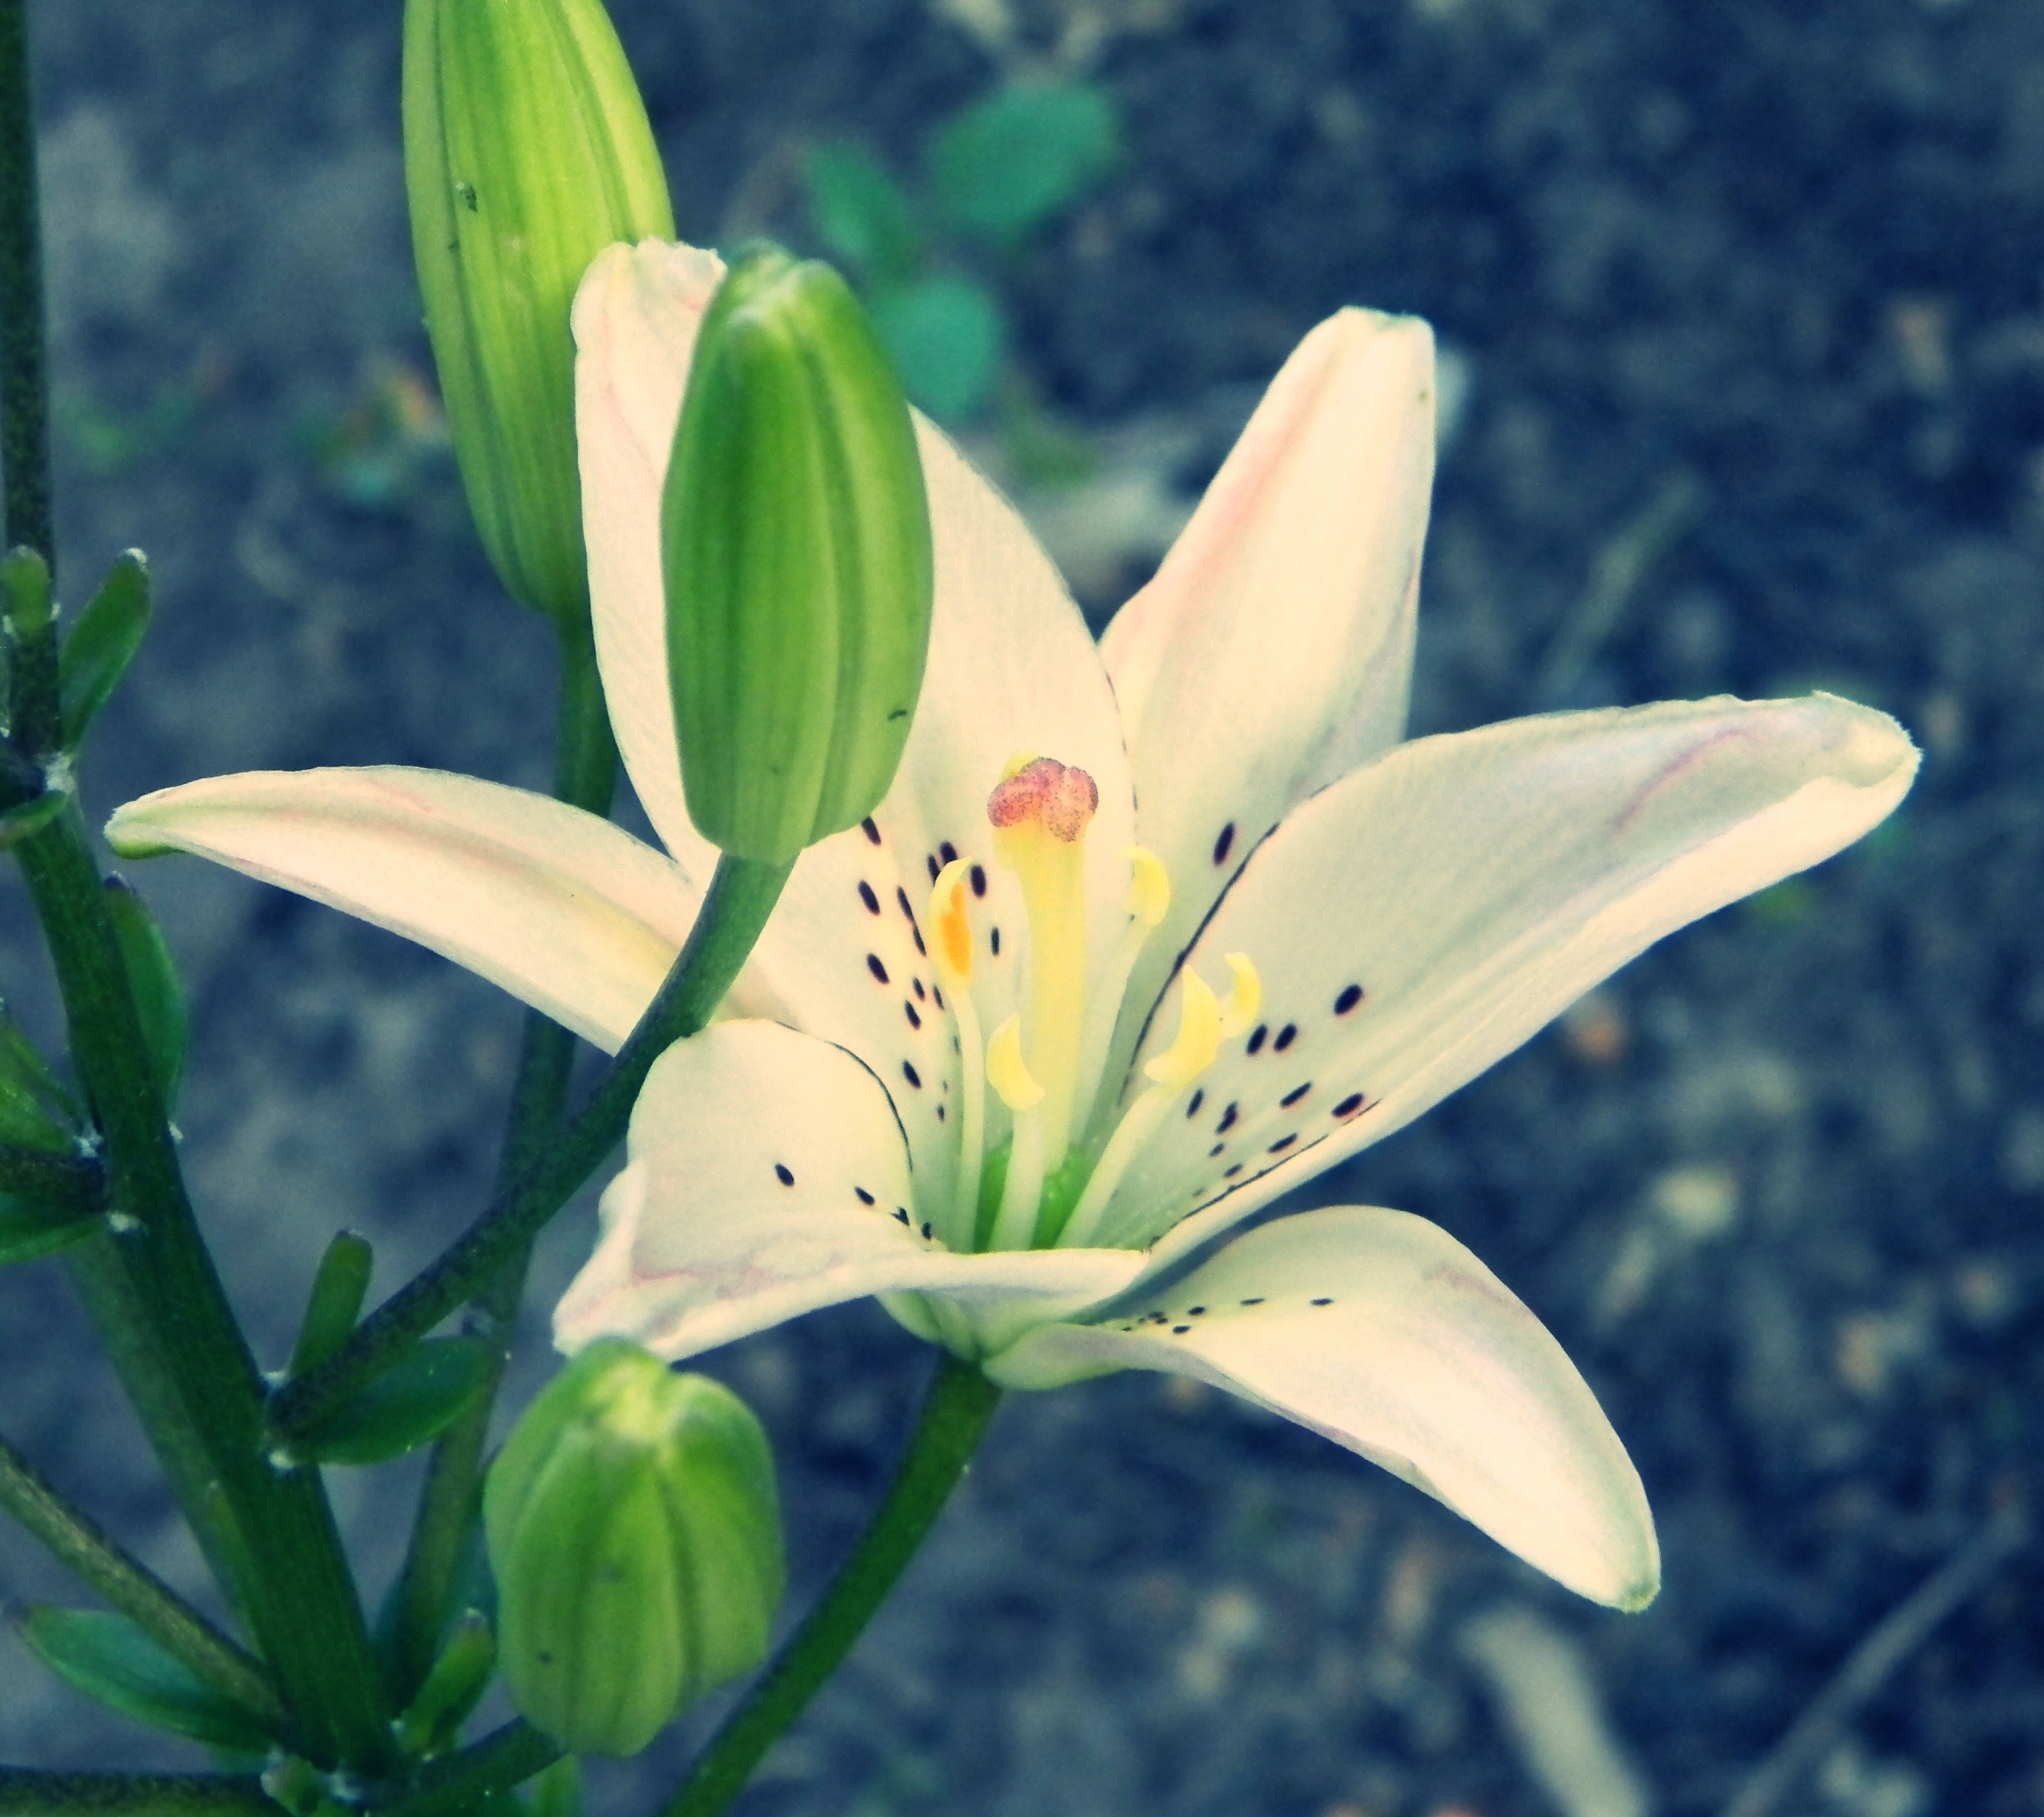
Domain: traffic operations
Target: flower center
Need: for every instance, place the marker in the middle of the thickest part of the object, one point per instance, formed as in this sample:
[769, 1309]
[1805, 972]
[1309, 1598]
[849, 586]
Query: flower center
[1050, 1184]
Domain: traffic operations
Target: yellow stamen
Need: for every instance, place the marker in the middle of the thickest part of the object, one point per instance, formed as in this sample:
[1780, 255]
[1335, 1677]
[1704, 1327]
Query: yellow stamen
[1149, 898]
[1194, 1050]
[1199, 1036]
[1242, 1004]
[950, 954]
[1016, 1222]
[1040, 813]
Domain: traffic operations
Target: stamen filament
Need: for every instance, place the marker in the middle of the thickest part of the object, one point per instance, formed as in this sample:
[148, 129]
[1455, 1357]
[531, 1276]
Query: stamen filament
[1191, 1053]
[1015, 1225]
[950, 954]
[1149, 897]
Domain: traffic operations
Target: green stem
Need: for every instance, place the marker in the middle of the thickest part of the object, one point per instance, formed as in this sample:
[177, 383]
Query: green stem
[187, 1365]
[955, 1418]
[740, 897]
[27, 1794]
[25, 392]
[508, 1756]
[586, 777]
[130, 1587]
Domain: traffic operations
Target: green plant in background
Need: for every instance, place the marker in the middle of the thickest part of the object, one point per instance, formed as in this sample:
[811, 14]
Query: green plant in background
[996, 171]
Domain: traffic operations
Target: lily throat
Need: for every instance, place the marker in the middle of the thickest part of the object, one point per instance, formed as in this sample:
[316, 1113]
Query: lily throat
[1049, 1185]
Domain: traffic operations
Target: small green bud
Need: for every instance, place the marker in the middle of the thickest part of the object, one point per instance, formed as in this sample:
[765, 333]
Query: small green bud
[526, 151]
[795, 545]
[634, 1532]
[340, 1283]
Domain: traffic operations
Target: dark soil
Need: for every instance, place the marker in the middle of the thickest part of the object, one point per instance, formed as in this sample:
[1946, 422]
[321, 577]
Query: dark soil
[1750, 294]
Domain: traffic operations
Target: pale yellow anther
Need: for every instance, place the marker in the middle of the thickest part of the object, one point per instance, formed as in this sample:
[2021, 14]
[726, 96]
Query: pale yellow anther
[1005, 1071]
[1149, 885]
[1245, 1002]
[950, 926]
[1199, 1036]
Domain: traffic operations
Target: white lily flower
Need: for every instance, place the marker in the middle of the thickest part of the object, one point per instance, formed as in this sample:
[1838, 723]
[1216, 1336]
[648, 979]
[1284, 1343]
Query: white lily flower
[1147, 933]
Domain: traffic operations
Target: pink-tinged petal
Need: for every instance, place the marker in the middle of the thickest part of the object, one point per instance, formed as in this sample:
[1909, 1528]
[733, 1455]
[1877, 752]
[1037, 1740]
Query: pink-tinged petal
[1418, 919]
[1379, 1330]
[635, 321]
[1273, 652]
[563, 909]
[766, 1177]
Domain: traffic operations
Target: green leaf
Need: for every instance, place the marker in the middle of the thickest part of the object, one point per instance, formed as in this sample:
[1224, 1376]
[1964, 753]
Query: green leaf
[31, 816]
[152, 975]
[946, 336]
[101, 645]
[36, 1112]
[111, 1659]
[411, 1403]
[1007, 164]
[452, 1688]
[557, 1792]
[335, 1303]
[863, 215]
[29, 1228]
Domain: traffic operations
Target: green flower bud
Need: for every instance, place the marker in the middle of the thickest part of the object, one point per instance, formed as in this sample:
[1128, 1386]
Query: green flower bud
[795, 542]
[635, 1533]
[526, 151]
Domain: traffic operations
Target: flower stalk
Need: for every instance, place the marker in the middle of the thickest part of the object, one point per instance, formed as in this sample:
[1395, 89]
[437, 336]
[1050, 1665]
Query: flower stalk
[24, 389]
[958, 1408]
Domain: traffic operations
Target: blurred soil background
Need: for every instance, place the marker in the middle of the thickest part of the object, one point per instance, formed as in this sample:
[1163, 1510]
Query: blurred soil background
[1746, 307]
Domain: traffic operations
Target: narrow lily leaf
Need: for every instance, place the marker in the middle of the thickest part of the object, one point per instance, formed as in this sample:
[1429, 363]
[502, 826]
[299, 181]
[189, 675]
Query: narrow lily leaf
[335, 1303]
[411, 1403]
[160, 995]
[863, 215]
[1007, 164]
[17, 824]
[36, 1111]
[101, 645]
[563, 909]
[704, 1240]
[29, 1229]
[111, 1659]
[452, 1688]
[1379, 1330]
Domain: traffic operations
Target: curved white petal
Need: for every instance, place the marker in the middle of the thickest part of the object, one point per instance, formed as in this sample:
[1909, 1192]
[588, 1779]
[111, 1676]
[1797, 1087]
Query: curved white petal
[753, 1151]
[560, 907]
[1381, 1331]
[634, 321]
[1273, 652]
[1418, 919]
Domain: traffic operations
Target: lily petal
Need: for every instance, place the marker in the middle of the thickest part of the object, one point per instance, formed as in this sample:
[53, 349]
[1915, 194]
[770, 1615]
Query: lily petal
[1379, 1330]
[1272, 652]
[766, 1177]
[635, 320]
[1418, 920]
[560, 907]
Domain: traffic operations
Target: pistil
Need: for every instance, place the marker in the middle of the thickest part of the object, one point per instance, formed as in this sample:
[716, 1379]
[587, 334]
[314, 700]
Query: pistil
[1040, 812]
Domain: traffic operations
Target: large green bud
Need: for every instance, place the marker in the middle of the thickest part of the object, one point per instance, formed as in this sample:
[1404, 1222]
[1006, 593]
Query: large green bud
[635, 1533]
[795, 543]
[526, 151]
